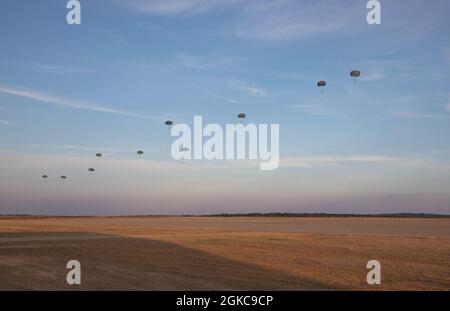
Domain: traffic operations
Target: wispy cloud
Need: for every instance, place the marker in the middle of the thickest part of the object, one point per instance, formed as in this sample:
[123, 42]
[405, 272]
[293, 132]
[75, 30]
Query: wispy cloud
[205, 63]
[5, 123]
[176, 7]
[332, 160]
[277, 20]
[317, 110]
[52, 69]
[417, 115]
[406, 161]
[70, 103]
[62, 70]
[227, 99]
[290, 76]
[13, 159]
[84, 148]
[285, 19]
[192, 61]
[29, 145]
[268, 20]
[248, 88]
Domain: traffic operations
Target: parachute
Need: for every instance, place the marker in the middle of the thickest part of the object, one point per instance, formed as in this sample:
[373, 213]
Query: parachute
[140, 153]
[241, 117]
[169, 124]
[91, 170]
[44, 176]
[322, 84]
[99, 155]
[63, 177]
[355, 74]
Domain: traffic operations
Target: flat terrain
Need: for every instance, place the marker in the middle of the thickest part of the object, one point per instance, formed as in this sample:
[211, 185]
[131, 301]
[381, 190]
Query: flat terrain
[242, 253]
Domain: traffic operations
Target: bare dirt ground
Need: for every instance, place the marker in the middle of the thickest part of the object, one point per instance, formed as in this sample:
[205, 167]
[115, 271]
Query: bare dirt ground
[204, 253]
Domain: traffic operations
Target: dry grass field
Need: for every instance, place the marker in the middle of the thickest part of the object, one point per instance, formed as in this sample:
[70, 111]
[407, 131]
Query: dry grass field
[213, 253]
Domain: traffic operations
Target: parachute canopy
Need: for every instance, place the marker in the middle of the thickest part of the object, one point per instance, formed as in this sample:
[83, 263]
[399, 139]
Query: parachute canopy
[92, 169]
[355, 73]
[169, 123]
[321, 83]
[140, 152]
[242, 116]
[44, 176]
[99, 155]
[63, 177]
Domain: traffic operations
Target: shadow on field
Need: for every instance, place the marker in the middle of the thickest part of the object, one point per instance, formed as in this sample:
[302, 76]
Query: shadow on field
[37, 261]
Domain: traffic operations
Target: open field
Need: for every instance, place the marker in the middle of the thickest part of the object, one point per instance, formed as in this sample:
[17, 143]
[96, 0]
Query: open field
[242, 253]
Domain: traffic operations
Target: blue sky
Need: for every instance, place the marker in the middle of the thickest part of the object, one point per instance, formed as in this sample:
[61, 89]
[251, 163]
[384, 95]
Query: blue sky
[107, 85]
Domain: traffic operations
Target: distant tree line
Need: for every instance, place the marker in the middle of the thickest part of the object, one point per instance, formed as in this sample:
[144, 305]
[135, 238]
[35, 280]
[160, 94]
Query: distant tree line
[395, 215]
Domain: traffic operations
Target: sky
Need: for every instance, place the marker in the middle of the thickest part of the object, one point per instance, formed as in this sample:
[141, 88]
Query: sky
[380, 145]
